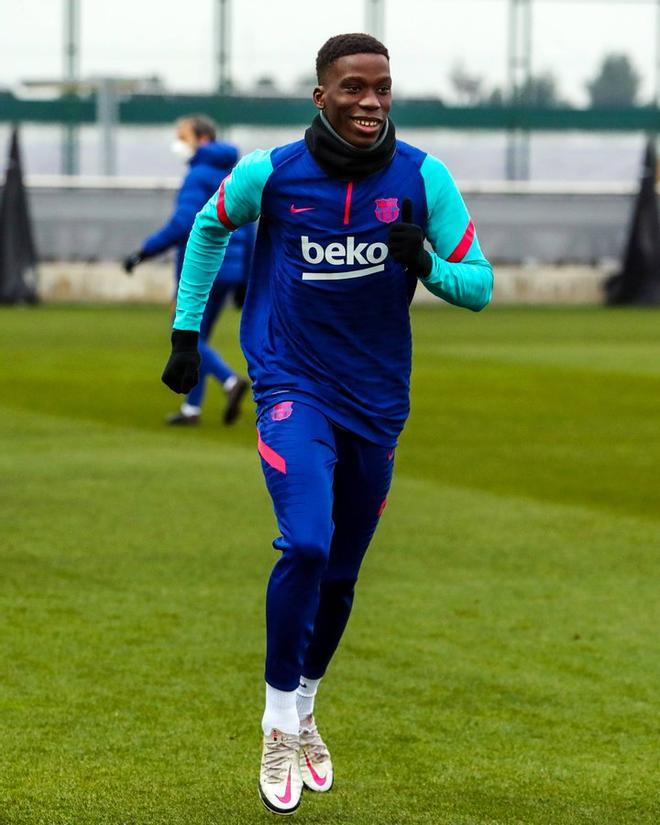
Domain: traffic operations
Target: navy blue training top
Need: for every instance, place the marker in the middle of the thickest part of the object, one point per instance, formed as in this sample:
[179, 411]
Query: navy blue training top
[326, 316]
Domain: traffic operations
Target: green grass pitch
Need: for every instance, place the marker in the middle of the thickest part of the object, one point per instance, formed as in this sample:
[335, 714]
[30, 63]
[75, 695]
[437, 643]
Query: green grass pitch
[502, 662]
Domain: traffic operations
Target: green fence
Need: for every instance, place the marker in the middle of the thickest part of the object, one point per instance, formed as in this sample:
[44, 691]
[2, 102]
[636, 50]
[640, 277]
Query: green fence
[284, 111]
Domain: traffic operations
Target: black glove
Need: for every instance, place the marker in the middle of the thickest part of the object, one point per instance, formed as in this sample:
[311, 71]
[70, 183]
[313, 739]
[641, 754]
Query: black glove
[131, 262]
[181, 372]
[239, 295]
[406, 244]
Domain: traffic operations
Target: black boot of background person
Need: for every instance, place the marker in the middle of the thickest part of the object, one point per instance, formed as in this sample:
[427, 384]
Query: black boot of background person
[181, 419]
[234, 398]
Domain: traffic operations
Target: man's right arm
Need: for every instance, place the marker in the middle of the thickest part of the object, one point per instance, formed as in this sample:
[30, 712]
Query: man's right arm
[238, 201]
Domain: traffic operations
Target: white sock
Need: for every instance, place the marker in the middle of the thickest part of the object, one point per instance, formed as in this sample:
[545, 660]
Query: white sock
[190, 409]
[280, 712]
[230, 383]
[305, 696]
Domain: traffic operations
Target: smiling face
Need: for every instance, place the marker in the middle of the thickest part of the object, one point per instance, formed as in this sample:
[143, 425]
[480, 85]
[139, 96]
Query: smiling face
[356, 95]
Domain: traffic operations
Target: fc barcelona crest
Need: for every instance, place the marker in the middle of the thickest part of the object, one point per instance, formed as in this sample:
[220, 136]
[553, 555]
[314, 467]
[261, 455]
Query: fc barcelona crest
[282, 411]
[387, 209]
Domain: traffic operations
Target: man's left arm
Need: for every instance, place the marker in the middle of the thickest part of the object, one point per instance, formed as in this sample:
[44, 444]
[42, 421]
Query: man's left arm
[456, 270]
[460, 274]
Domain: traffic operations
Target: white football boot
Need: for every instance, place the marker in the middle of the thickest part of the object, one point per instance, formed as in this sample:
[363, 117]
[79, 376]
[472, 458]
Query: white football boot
[315, 761]
[280, 783]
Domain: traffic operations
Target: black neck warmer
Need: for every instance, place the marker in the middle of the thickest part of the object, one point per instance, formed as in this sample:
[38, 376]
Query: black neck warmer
[339, 159]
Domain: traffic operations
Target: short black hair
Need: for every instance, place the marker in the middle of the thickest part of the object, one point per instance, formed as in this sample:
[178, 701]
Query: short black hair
[202, 125]
[344, 44]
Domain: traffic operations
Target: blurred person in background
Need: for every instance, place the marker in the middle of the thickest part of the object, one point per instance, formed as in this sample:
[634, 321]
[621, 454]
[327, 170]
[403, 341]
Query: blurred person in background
[209, 162]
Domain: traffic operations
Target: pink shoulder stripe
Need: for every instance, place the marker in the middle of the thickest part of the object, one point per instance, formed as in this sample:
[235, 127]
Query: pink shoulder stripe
[465, 243]
[222, 212]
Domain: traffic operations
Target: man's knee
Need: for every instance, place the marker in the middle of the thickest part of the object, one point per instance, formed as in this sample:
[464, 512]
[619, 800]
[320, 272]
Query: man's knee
[310, 550]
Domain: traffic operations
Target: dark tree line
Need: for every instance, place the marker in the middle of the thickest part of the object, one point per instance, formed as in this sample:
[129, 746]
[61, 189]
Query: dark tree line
[615, 83]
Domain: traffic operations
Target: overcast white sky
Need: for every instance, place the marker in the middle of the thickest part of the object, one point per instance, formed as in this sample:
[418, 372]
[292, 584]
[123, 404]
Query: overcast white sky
[174, 39]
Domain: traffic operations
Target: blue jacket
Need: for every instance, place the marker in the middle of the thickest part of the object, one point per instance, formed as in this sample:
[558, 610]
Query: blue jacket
[209, 165]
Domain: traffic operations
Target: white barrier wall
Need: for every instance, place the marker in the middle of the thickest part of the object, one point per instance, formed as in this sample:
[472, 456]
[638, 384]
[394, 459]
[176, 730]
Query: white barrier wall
[104, 219]
[152, 283]
[549, 243]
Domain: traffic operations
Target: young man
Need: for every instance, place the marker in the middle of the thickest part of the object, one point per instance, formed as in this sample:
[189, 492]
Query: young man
[209, 161]
[326, 334]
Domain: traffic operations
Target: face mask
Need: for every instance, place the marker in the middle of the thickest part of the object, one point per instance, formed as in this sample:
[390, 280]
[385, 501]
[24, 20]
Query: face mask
[182, 149]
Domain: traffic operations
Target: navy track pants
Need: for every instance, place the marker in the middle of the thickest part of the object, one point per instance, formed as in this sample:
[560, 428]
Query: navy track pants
[328, 487]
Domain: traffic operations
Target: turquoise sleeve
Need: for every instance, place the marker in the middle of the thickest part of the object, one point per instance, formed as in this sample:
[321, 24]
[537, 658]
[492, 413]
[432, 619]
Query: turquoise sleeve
[460, 275]
[238, 201]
